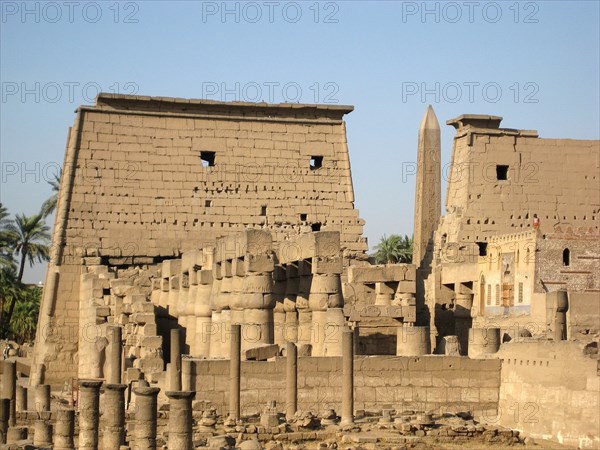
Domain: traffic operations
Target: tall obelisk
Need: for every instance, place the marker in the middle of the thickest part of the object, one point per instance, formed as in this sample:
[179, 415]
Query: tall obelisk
[428, 197]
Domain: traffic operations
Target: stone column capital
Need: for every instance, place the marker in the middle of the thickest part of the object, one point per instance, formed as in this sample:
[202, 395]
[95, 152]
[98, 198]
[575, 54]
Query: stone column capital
[115, 386]
[180, 394]
[90, 384]
[146, 391]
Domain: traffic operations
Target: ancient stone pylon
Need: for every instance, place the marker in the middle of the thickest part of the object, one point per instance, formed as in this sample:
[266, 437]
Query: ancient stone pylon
[428, 188]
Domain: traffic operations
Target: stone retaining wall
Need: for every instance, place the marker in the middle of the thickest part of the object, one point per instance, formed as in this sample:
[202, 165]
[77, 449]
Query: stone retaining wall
[437, 383]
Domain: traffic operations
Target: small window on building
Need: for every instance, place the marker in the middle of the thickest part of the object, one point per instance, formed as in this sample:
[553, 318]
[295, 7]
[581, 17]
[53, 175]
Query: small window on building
[482, 248]
[497, 295]
[489, 294]
[566, 257]
[520, 292]
[501, 172]
[207, 203]
[316, 227]
[316, 162]
[263, 210]
[208, 159]
[303, 217]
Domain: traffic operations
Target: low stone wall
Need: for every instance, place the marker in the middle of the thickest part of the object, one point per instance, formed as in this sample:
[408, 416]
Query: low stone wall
[583, 315]
[551, 390]
[437, 383]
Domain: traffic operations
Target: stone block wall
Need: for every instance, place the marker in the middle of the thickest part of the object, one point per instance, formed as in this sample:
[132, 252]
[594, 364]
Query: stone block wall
[581, 248]
[146, 179]
[551, 390]
[557, 179]
[583, 316]
[437, 383]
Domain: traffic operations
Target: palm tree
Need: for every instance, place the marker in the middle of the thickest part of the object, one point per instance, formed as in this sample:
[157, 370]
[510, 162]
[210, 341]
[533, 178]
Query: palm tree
[30, 238]
[10, 291]
[49, 205]
[394, 249]
[24, 321]
[6, 259]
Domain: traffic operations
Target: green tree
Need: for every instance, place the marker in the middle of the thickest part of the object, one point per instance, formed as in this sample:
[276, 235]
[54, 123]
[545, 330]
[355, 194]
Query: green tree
[10, 291]
[24, 321]
[393, 249]
[29, 238]
[6, 258]
[49, 205]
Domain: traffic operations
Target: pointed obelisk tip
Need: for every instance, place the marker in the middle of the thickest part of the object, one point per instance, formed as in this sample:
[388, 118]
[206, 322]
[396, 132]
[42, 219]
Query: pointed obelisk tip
[429, 120]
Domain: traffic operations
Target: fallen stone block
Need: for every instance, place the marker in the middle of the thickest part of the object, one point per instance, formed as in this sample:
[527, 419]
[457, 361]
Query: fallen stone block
[262, 353]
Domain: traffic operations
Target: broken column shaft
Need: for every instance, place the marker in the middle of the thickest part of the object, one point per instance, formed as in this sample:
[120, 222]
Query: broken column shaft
[9, 389]
[180, 420]
[21, 402]
[4, 417]
[145, 418]
[114, 395]
[114, 356]
[64, 429]
[42, 431]
[114, 401]
[89, 414]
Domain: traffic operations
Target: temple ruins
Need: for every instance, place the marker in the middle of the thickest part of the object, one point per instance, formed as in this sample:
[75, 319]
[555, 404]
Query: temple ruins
[210, 287]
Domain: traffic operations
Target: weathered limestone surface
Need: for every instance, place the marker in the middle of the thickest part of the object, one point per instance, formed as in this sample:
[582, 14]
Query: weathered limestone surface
[556, 389]
[180, 420]
[89, 414]
[428, 197]
[64, 429]
[146, 418]
[9, 389]
[158, 177]
[430, 382]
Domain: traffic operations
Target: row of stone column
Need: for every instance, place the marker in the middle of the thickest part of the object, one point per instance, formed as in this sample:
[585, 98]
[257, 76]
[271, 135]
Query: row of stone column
[180, 414]
[114, 433]
[298, 300]
[292, 376]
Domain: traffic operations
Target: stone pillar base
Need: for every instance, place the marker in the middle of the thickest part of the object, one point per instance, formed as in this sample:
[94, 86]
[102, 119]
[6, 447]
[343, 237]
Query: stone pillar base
[413, 341]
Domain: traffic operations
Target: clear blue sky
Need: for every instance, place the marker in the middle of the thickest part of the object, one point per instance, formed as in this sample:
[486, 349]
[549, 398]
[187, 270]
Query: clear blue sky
[534, 63]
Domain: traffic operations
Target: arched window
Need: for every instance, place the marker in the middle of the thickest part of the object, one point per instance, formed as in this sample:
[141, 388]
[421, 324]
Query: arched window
[566, 257]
